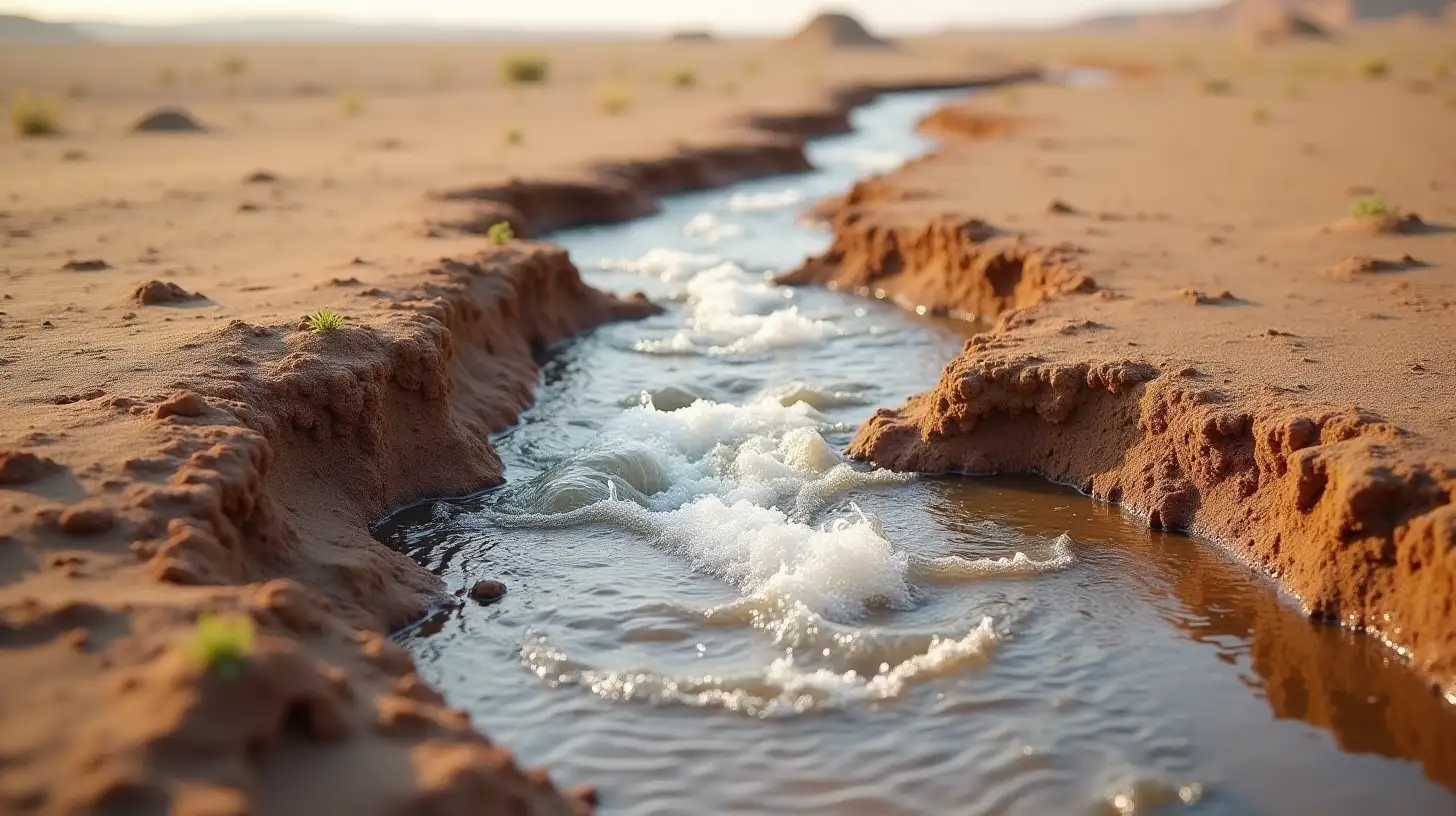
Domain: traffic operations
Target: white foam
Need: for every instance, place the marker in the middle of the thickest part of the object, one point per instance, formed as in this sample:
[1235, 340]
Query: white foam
[954, 567]
[710, 228]
[864, 159]
[668, 265]
[731, 312]
[784, 687]
[763, 202]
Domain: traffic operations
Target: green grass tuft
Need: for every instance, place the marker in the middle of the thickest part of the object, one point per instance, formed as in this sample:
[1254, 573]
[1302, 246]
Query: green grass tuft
[524, 69]
[1217, 87]
[351, 104]
[682, 79]
[324, 320]
[614, 100]
[232, 66]
[1259, 115]
[31, 116]
[1370, 207]
[221, 644]
[500, 233]
[1373, 68]
[166, 76]
[514, 137]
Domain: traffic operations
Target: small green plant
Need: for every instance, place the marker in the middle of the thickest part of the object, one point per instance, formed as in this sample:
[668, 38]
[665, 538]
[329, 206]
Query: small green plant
[77, 90]
[324, 320]
[232, 66]
[614, 100]
[1373, 68]
[351, 104]
[166, 76]
[682, 79]
[221, 644]
[1011, 96]
[1370, 207]
[31, 116]
[1217, 87]
[524, 69]
[1259, 115]
[500, 233]
[514, 137]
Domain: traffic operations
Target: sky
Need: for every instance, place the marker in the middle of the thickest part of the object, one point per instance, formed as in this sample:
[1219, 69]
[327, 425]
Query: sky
[724, 15]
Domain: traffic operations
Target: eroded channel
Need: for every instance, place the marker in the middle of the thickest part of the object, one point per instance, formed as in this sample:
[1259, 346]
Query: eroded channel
[710, 610]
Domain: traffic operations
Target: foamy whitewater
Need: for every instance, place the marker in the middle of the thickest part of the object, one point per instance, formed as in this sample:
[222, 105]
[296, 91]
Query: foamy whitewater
[746, 493]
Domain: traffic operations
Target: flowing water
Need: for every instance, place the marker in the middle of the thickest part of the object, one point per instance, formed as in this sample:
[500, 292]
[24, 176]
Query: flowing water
[710, 610]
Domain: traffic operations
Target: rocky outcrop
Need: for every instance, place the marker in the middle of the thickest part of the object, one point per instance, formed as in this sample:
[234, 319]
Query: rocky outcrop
[1341, 508]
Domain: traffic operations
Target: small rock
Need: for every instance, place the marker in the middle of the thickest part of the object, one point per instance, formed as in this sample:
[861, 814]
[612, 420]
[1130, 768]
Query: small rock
[182, 403]
[85, 520]
[487, 591]
[154, 292]
[88, 265]
[260, 177]
[1060, 207]
[18, 467]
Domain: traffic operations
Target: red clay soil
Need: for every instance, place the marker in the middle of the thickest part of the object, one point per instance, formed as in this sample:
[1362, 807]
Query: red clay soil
[1188, 411]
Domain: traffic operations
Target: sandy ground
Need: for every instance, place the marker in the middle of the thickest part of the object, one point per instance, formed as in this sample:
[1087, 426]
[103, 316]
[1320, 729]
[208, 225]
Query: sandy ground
[163, 455]
[1188, 319]
[175, 444]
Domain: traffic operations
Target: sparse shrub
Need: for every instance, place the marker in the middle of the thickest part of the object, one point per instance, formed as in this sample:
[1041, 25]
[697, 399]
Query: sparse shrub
[77, 90]
[1217, 87]
[1011, 96]
[1370, 207]
[324, 320]
[500, 233]
[31, 116]
[1259, 115]
[682, 79]
[514, 137]
[351, 104]
[751, 67]
[1373, 68]
[1293, 91]
[614, 100]
[221, 644]
[232, 65]
[524, 69]
[1185, 62]
[166, 76]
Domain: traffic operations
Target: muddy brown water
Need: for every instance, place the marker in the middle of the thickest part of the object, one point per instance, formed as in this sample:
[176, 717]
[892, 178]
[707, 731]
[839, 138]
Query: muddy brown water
[709, 610]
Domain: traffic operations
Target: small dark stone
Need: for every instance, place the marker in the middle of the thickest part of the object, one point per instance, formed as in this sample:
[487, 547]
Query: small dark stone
[487, 591]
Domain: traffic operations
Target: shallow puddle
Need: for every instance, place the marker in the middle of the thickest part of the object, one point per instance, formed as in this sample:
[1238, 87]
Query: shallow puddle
[709, 609]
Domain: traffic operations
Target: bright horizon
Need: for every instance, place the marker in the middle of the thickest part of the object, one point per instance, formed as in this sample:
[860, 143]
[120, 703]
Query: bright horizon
[733, 15]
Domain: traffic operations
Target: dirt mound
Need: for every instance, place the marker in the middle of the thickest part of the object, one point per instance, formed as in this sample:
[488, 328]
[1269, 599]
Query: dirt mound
[1280, 25]
[155, 292]
[168, 120]
[836, 30]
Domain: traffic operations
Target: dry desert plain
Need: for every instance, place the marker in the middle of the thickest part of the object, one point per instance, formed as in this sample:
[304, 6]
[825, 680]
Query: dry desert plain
[1169, 262]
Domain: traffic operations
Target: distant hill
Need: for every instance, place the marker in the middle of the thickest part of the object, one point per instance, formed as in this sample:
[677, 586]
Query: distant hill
[1249, 14]
[17, 29]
